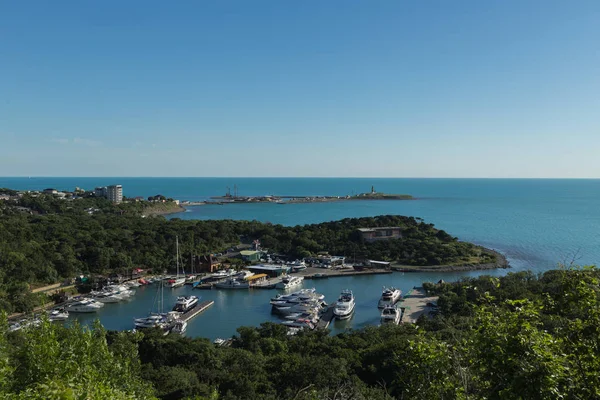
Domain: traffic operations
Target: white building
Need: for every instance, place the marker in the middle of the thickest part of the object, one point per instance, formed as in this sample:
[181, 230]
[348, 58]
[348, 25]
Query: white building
[114, 193]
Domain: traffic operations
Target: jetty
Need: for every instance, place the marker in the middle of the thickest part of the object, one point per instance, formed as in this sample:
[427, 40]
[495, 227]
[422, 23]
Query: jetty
[326, 318]
[188, 315]
[416, 303]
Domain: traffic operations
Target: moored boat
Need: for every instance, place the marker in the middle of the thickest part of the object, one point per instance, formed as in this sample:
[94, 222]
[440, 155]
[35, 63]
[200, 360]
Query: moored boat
[185, 303]
[179, 327]
[344, 307]
[389, 297]
[390, 314]
[84, 306]
[58, 314]
[289, 282]
[232, 283]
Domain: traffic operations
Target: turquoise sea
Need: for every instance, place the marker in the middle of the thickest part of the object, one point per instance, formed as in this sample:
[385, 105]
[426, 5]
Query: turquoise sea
[536, 223]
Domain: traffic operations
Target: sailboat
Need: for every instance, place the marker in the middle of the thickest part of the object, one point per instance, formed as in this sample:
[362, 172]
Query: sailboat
[161, 320]
[177, 280]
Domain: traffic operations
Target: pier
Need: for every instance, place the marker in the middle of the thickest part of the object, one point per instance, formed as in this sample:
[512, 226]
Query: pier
[326, 318]
[416, 303]
[186, 316]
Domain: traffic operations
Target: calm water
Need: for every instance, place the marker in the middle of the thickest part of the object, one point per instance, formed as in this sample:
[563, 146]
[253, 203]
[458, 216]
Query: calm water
[535, 223]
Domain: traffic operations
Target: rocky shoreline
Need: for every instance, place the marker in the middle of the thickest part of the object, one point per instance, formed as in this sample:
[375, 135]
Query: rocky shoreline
[501, 262]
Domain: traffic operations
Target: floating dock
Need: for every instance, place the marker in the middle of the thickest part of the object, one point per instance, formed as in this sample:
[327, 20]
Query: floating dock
[326, 318]
[196, 310]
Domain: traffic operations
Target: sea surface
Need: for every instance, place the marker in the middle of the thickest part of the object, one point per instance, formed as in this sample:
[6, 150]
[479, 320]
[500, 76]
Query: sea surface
[536, 223]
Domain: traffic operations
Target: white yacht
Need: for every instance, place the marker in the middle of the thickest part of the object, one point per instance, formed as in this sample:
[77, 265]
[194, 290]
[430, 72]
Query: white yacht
[107, 297]
[84, 306]
[389, 297]
[390, 314]
[121, 290]
[297, 297]
[224, 273]
[297, 265]
[185, 303]
[298, 308]
[289, 282]
[179, 327]
[300, 323]
[345, 305]
[243, 274]
[152, 321]
[232, 283]
[59, 314]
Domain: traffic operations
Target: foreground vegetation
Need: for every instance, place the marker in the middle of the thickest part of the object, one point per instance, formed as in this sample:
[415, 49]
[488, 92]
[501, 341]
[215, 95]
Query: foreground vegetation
[521, 336]
[45, 240]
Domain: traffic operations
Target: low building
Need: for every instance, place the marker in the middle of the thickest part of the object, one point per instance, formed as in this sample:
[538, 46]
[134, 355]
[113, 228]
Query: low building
[380, 233]
[250, 255]
[271, 270]
[207, 263]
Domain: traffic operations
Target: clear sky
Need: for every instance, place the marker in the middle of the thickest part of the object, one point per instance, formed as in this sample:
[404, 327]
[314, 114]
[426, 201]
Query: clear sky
[497, 88]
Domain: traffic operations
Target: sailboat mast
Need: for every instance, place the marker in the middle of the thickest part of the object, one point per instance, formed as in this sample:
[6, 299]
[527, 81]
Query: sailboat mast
[177, 253]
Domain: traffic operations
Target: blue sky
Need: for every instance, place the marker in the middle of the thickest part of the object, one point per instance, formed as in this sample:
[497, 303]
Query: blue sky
[300, 88]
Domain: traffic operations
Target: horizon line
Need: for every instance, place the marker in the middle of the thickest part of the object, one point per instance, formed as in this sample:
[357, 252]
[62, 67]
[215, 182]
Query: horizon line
[285, 177]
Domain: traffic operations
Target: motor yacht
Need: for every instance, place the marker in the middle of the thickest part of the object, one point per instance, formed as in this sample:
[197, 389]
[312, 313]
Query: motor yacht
[390, 314]
[107, 297]
[389, 297]
[232, 283]
[297, 297]
[289, 282]
[300, 323]
[84, 306]
[298, 308]
[185, 303]
[243, 274]
[179, 327]
[345, 305]
[59, 314]
[152, 321]
[121, 290]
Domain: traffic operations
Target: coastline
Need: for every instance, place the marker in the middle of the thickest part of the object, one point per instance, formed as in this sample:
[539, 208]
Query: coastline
[501, 262]
[156, 211]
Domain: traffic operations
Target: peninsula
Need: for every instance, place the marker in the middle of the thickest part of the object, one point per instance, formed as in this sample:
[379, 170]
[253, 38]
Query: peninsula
[229, 198]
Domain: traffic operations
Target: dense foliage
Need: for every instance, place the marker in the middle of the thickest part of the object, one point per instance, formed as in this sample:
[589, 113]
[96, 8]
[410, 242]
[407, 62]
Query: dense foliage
[50, 239]
[520, 336]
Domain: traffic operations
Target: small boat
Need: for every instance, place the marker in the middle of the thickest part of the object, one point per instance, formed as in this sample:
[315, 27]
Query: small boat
[219, 341]
[133, 284]
[143, 282]
[84, 306]
[299, 292]
[289, 282]
[232, 283]
[185, 303]
[179, 327]
[389, 297]
[59, 314]
[390, 314]
[345, 305]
